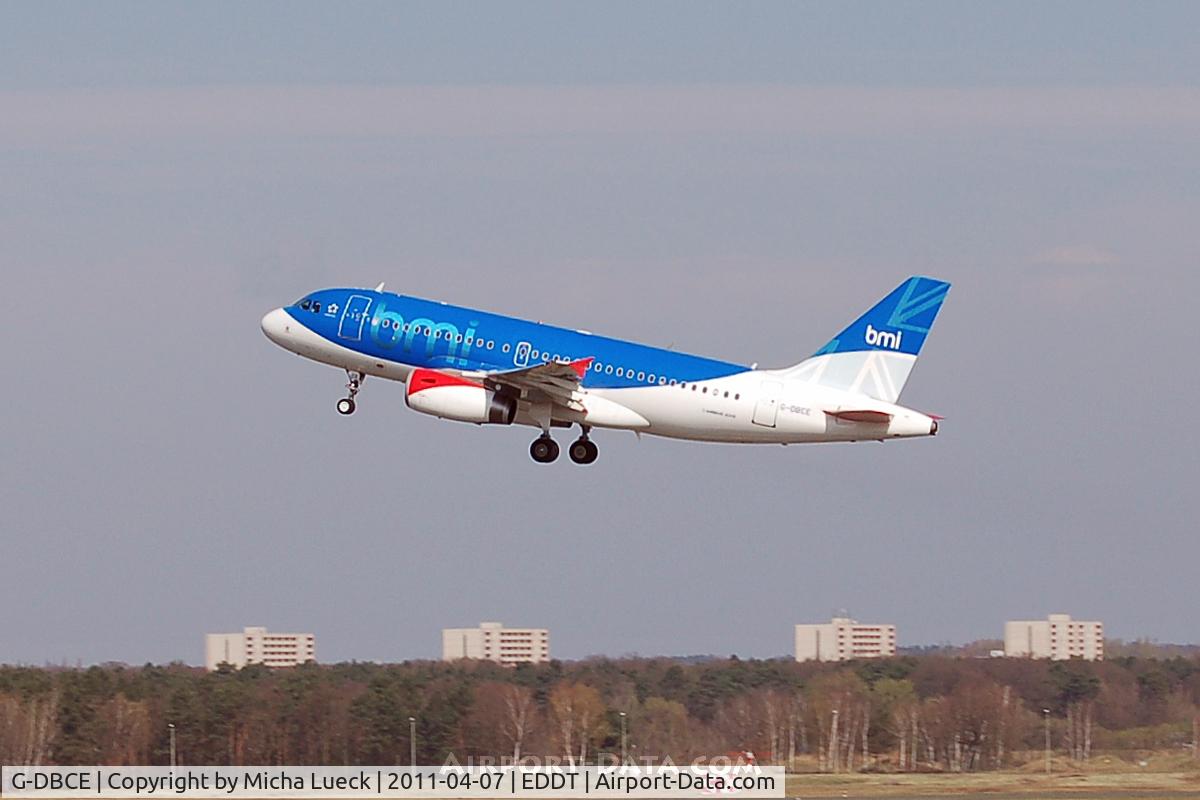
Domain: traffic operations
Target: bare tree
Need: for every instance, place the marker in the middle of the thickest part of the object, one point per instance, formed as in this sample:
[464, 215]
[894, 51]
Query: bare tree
[898, 706]
[27, 728]
[664, 728]
[124, 731]
[520, 713]
[578, 716]
[839, 707]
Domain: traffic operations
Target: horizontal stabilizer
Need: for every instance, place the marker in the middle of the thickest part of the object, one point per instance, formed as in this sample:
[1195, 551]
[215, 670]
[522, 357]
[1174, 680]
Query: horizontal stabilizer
[861, 416]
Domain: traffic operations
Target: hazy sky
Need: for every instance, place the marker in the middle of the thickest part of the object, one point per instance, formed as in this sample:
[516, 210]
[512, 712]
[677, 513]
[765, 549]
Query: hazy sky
[733, 180]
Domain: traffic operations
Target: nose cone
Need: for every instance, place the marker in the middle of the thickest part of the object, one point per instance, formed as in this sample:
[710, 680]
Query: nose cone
[277, 326]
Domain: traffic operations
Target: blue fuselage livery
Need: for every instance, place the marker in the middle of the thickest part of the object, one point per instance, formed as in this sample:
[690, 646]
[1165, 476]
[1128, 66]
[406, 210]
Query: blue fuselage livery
[433, 335]
[474, 366]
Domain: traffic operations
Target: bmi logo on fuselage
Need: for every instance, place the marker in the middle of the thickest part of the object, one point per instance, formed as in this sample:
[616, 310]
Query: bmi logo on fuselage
[888, 339]
[389, 328]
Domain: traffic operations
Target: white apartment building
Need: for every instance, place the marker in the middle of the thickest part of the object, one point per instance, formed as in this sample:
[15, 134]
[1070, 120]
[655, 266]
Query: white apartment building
[1057, 637]
[491, 641]
[844, 638]
[256, 646]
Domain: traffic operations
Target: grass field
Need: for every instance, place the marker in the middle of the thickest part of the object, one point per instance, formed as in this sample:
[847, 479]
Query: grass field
[1103, 778]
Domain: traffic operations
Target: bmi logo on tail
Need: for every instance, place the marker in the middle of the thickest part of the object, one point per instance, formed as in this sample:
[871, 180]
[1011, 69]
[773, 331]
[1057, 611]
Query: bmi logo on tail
[888, 339]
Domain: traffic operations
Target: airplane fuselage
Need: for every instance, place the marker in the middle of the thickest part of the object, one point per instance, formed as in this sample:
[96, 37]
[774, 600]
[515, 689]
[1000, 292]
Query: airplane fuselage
[622, 385]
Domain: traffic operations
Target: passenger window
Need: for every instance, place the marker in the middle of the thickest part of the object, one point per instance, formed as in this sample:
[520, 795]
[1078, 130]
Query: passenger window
[505, 348]
[620, 371]
[490, 343]
[597, 366]
[737, 397]
[641, 376]
[608, 369]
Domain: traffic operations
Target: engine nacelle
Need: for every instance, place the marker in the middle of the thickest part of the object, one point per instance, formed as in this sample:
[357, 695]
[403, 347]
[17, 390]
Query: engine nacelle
[452, 397]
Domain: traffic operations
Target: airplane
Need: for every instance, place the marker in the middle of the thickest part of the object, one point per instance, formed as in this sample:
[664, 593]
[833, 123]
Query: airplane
[473, 366]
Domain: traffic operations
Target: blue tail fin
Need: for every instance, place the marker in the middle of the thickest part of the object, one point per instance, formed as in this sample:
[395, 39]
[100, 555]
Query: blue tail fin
[875, 354]
[898, 323]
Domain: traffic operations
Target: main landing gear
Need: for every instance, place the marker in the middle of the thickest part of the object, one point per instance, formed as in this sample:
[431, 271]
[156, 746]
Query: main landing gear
[355, 380]
[545, 450]
[583, 450]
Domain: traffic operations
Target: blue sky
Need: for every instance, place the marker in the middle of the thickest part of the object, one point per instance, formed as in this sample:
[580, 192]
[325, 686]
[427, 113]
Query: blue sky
[738, 181]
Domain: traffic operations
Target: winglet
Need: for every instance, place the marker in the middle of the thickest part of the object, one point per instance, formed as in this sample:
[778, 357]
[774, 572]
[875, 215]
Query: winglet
[581, 366]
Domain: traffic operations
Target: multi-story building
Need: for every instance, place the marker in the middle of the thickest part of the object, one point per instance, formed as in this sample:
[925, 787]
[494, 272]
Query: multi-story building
[256, 646]
[1057, 637]
[843, 638]
[491, 641]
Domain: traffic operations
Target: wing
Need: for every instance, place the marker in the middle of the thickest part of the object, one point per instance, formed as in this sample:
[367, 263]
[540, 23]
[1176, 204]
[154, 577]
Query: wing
[556, 381]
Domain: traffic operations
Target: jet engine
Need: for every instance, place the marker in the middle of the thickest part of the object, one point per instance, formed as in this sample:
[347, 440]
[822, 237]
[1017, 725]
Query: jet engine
[451, 397]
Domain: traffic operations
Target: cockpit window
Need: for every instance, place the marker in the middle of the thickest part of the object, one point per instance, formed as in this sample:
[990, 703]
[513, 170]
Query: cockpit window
[305, 303]
[316, 306]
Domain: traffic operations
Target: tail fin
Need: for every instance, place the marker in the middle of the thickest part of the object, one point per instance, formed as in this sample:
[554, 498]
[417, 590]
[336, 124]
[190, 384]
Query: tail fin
[875, 354]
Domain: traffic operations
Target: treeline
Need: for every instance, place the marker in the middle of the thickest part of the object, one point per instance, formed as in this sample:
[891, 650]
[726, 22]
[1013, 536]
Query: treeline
[907, 713]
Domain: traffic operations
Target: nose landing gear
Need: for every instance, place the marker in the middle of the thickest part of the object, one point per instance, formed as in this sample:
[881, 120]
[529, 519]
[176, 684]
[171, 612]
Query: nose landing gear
[355, 380]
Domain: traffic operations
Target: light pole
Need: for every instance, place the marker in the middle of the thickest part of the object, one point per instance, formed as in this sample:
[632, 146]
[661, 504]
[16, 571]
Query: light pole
[833, 742]
[412, 741]
[1046, 716]
[171, 728]
[624, 748]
